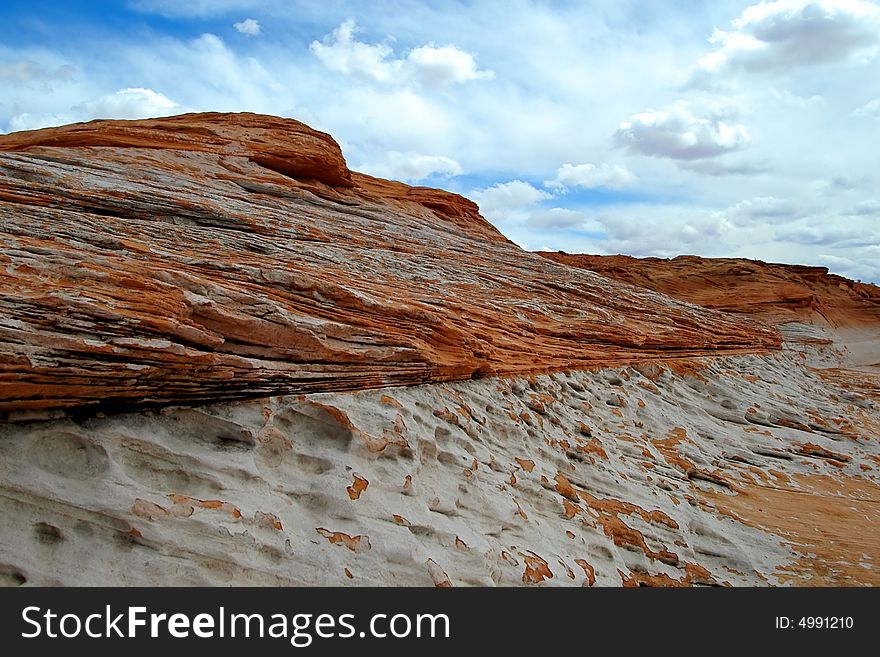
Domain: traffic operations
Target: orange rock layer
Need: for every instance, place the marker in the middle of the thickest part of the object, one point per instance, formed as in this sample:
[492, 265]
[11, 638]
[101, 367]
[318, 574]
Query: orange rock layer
[217, 256]
[775, 293]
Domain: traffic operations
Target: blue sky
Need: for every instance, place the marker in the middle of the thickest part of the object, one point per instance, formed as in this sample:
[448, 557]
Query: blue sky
[650, 128]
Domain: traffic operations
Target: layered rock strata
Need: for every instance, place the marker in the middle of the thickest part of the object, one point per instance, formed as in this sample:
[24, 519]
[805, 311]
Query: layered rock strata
[215, 256]
[808, 304]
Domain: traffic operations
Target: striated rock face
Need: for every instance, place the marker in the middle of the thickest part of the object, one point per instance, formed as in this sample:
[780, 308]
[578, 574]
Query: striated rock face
[214, 256]
[282, 145]
[776, 293]
[807, 304]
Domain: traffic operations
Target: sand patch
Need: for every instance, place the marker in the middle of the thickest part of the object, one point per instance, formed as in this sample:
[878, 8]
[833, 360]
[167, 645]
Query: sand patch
[833, 522]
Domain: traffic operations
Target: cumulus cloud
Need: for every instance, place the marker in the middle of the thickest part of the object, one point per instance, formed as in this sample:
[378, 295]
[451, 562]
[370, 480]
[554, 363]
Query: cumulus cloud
[428, 65]
[786, 34]
[411, 167]
[249, 27]
[591, 176]
[499, 201]
[687, 130]
[442, 66]
[341, 52]
[131, 103]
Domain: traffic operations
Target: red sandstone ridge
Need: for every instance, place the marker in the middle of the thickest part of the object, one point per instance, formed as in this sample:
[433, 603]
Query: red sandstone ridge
[215, 256]
[776, 293]
[283, 145]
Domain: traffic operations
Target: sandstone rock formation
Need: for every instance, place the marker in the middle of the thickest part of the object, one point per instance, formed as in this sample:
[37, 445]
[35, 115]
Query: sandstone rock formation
[787, 296]
[742, 470]
[208, 331]
[215, 256]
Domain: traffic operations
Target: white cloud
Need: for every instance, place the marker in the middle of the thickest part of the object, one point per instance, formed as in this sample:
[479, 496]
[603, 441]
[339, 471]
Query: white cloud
[684, 131]
[499, 201]
[871, 109]
[786, 34]
[249, 27]
[31, 121]
[411, 167]
[591, 176]
[382, 120]
[427, 65]
[132, 103]
[341, 52]
[443, 66]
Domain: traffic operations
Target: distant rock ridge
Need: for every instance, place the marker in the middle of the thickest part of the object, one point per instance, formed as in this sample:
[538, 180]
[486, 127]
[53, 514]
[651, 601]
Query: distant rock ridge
[206, 257]
[777, 293]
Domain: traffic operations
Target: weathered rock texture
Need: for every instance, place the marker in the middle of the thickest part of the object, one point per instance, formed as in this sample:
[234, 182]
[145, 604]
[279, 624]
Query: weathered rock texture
[215, 256]
[211, 257]
[745, 470]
